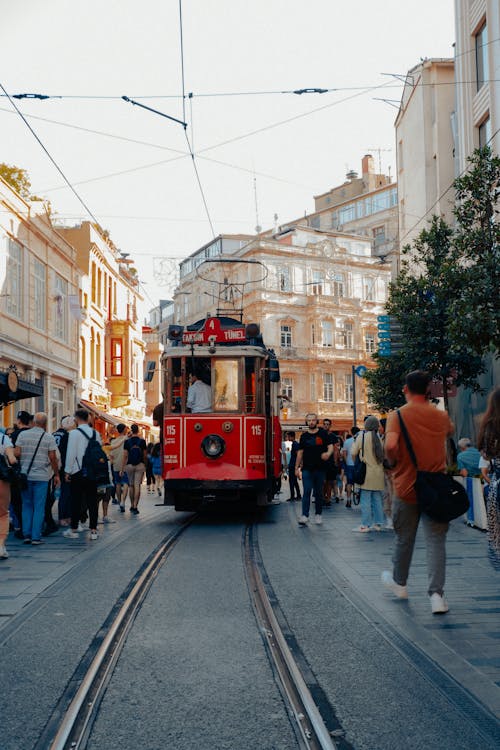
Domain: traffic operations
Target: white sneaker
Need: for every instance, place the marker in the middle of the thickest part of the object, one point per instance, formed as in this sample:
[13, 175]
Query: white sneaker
[107, 519]
[3, 552]
[439, 605]
[70, 534]
[400, 591]
[94, 535]
[81, 527]
[389, 524]
[318, 521]
[303, 521]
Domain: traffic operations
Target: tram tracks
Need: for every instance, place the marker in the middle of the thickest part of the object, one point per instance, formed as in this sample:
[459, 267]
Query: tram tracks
[71, 723]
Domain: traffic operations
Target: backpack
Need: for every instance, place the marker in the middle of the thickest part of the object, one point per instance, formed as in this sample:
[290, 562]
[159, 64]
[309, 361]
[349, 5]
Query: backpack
[135, 453]
[95, 461]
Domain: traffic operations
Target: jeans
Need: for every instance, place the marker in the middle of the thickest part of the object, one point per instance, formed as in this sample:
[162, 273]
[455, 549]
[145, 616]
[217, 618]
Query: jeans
[406, 518]
[312, 479]
[293, 481]
[371, 507]
[34, 508]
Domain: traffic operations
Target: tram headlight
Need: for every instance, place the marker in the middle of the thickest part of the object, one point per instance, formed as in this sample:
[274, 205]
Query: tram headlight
[213, 446]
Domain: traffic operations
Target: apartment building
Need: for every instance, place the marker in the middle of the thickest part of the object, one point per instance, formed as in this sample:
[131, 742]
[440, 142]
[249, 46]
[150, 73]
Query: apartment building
[39, 312]
[316, 296]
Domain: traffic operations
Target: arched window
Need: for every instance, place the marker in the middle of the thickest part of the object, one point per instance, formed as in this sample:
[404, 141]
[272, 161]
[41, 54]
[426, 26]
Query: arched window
[98, 358]
[83, 358]
[92, 354]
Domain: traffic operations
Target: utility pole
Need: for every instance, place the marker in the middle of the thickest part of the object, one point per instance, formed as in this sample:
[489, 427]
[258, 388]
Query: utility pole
[354, 413]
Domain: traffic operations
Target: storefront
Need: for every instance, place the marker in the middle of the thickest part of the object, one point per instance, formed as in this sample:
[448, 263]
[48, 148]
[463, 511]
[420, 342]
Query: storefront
[14, 388]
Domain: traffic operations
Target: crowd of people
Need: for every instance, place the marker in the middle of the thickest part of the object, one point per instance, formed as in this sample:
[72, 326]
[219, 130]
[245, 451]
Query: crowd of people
[74, 469]
[327, 463]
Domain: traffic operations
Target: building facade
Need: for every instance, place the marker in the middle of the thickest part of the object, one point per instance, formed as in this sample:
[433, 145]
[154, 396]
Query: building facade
[316, 297]
[426, 147]
[111, 346]
[39, 280]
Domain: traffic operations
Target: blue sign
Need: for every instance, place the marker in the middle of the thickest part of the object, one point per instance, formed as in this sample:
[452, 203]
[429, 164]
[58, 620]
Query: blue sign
[384, 336]
[384, 326]
[360, 371]
[383, 318]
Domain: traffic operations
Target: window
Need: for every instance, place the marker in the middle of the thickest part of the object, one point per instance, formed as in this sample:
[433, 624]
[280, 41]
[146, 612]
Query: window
[99, 287]
[347, 213]
[317, 282]
[83, 358]
[369, 288]
[327, 386]
[92, 353]
[482, 72]
[313, 334]
[98, 356]
[57, 405]
[93, 281]
[116, 357]
[378, 235]
[312, 386]
[285, 336]
[326, 333]
[287, 388]
[61, 313]
[315, 222]
[226, 385]
[369, 343]
[40, 294]
[14, 280]
[346, 336]
[284, 284]
[338, 285]
[348, 386]
[484, 132]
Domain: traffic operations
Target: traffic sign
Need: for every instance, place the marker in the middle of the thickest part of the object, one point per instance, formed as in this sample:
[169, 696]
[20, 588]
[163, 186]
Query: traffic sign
[384, 336]
[384, 326]
[360, 371]
[383, 318]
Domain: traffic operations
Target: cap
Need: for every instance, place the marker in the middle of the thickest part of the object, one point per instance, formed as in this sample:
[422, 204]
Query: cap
[24, 417]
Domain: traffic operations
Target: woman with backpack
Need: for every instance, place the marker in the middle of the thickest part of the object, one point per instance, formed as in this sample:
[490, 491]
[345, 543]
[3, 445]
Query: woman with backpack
[135, 465]
[371, 451]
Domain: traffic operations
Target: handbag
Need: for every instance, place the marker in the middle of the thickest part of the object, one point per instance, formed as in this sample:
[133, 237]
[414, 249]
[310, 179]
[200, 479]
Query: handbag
[22, 477]
[439, 496]
[359, 473]
[6, 470]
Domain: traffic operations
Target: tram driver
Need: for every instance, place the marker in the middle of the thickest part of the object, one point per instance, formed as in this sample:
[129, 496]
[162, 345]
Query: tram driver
[199, 398]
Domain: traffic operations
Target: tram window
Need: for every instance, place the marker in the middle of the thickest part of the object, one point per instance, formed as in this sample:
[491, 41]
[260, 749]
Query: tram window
[250, 381]
[175, 367]
[226, 385]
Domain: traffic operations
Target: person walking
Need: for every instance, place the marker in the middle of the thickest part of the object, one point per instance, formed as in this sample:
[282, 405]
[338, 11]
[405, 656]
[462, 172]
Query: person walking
[314, 450]
[7, 451]
[37, 450]
[156, 467]
[370, 450]
[294, 482]
[489, 445]
[150, 477]
[349, 464]
[117, 457]
[24, 421]
[83, 491]
[428, 429]
[135, 465]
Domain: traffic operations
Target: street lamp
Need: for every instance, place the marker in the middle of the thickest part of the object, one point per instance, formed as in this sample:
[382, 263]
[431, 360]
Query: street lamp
[359, 371]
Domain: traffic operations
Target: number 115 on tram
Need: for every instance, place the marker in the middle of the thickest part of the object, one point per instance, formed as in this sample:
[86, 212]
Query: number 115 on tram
[221, 429]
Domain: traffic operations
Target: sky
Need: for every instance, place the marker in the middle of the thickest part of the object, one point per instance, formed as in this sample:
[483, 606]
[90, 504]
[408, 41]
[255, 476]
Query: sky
[258, 155]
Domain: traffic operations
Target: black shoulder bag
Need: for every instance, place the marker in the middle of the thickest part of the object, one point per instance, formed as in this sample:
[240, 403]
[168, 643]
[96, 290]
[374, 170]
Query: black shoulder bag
[359, 465]
[439, 496]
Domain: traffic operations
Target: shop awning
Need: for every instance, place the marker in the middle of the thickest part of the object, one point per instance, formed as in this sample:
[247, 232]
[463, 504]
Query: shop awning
[14, 388]
[96, 412]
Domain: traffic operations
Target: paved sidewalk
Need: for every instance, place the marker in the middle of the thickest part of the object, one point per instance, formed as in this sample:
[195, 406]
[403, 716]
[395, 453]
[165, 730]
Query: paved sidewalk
[29, 570]
[466, 641]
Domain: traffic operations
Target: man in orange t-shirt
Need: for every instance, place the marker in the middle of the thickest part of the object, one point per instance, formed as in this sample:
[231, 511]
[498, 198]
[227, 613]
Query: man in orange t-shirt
[428, 429]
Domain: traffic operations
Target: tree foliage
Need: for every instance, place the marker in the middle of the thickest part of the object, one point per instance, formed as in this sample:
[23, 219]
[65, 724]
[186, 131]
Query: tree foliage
[17, 178]
[386, 381]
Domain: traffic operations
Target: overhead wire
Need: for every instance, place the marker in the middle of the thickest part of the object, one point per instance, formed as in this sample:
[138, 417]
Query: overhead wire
[49, 155]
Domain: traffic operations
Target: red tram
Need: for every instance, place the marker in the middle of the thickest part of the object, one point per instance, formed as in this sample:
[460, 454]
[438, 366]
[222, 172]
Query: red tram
[231, 450]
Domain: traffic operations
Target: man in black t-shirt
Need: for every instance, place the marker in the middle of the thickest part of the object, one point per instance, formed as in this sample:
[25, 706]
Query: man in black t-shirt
[135, 465]
[314, 451]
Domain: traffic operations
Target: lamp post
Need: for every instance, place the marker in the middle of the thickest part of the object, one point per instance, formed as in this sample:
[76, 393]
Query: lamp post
[357, 370]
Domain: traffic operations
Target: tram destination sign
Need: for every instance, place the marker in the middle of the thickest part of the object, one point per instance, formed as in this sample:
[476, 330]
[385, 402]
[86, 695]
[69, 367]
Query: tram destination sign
[213, 333]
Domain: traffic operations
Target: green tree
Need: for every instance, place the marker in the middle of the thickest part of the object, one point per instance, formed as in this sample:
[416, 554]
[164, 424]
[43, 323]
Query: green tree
[477, 242]
[385, 383]
[420, 299]
[17, 178]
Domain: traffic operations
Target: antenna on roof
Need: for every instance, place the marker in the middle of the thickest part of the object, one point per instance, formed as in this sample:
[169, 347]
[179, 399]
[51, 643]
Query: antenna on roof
[379, 152]
[258, 227]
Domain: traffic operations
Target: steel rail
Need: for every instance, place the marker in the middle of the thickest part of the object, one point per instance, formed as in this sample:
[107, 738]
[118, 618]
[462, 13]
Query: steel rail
[73, 729]
[311, 727]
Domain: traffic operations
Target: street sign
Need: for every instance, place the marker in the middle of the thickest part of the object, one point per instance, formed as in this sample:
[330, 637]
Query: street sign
[384, 326]
[383, 318]
[360, 371]
[384, 336]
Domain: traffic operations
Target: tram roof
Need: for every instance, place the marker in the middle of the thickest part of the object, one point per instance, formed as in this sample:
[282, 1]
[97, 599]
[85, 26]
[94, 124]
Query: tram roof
[221, 350]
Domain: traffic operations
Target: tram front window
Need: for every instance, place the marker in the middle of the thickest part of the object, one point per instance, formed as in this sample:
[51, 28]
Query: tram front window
[226, 396]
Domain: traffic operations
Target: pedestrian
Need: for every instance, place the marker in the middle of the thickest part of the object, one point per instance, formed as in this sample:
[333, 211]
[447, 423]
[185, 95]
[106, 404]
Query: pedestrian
[118, 456]
[83, 490]
[314, 450]
[135, 465]
[9, 458]
[37, 450]
[349, 464]
[156, 467]
[24, 421]
[331, 467]
[388, 488]
[370, 450]
[468, 458]
[428, 428]
[294, 482]
[61, 437]
[150, 477]
[489, 445]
